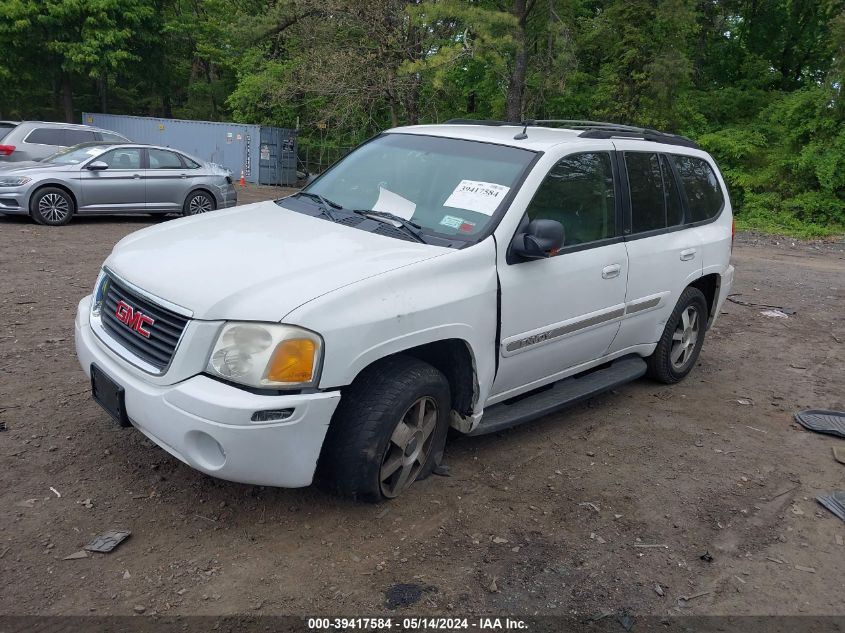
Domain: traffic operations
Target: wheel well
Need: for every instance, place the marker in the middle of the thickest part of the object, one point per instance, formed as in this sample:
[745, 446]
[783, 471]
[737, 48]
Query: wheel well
[55, 186]
[453, 358]
[204, 190]
[708, 285]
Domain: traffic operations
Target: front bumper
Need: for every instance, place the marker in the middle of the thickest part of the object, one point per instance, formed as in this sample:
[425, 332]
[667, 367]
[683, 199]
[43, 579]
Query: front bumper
[206, 423]
[13, 200]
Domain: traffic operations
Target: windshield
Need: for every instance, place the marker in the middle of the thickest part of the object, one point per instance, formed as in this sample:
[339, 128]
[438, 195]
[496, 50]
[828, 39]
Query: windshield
[75, 155]
[446, 186]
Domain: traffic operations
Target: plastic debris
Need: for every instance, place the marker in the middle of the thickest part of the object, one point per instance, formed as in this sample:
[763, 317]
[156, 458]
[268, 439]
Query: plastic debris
[835, 502]
[107, 541]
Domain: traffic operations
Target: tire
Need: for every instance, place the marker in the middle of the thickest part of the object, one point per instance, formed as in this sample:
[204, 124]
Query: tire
[198, 202]
[52, 206]
[366, 455]
[679, 346]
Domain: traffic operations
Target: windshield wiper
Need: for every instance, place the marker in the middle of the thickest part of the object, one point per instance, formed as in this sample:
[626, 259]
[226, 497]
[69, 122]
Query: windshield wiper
[411, 228]
[326, 205]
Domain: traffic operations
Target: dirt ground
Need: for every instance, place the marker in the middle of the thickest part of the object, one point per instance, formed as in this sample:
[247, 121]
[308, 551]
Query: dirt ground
[706, 489]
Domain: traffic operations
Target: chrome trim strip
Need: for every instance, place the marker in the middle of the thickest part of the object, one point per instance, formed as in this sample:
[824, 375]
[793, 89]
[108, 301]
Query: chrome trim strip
[638, 306]
[164, 303]
[564, 330]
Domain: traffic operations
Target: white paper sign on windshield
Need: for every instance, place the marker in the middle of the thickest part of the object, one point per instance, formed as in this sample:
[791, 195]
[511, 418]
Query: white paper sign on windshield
[474, 195]
[394, 203]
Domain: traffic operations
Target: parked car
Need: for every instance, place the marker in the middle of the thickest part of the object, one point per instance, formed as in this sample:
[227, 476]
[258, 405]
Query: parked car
[472, 276]
[36, 140]
[98, 178]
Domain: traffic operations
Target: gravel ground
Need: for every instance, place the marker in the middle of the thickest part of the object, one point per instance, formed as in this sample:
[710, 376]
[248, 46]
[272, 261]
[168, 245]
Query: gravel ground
[692, 499]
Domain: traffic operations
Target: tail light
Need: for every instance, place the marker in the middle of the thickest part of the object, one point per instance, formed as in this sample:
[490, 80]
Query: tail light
[733, 233]
[6, 150]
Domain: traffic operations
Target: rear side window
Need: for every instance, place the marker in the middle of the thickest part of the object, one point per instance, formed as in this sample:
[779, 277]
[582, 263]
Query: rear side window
[578, 193]
[160, 159]
[645, 183]
[704, 195]
[46, 136]
[674, 209]
[190, 164]
[74, 137]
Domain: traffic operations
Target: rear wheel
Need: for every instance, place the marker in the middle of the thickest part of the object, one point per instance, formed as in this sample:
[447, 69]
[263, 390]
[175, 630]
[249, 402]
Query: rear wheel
[52, 206]
[682, 338]
[198, 202]
[389, 430]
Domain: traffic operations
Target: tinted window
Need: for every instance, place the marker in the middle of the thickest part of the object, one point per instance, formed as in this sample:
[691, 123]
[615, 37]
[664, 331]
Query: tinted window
[704, 195]
[578, 193]
[645, 182]
[74, 137]
[122, 158]
[159, 159]
[674, 209]
[46, 136]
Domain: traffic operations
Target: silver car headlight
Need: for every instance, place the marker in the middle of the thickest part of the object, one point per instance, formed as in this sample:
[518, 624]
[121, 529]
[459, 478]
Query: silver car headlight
[267, 355]
[14, 181]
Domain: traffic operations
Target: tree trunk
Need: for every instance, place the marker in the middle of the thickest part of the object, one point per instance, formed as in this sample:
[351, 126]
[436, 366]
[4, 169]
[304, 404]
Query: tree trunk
[102, 83]
[516, 81]
[67, 97]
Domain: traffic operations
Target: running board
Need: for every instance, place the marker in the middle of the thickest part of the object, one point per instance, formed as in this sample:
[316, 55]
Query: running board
[563, 394]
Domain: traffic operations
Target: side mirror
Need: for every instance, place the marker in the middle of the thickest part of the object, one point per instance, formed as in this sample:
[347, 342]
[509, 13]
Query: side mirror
[97, 165]
[541, 239]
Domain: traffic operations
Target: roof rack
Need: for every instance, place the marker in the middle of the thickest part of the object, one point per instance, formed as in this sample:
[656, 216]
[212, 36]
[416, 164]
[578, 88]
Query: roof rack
[591, 129]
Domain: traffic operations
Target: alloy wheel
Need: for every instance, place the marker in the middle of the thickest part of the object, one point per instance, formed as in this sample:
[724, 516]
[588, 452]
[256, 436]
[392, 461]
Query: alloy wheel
[685, 337]
[409, 447]
[53, 207]
[199, 204]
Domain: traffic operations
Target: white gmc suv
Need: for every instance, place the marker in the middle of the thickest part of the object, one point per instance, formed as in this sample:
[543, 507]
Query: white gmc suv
[476, 275]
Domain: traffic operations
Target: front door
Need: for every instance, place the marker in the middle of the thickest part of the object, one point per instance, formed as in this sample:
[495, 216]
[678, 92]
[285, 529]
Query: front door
[564, 311]
[118, 188]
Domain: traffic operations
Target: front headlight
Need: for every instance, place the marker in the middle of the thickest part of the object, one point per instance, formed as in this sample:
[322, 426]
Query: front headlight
[14, 181]
[99, 293]
[266, 355]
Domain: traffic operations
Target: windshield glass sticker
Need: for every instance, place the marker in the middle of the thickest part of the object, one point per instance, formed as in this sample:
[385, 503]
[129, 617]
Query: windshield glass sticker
[451, 221]
[474, 195]
[467, 227]
[394, 203]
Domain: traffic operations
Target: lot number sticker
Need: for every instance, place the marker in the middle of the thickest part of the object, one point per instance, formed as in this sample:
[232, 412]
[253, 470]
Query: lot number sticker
[473, 195]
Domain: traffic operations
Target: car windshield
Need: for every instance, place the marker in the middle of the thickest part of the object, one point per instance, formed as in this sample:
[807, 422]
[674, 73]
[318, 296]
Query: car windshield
[75, 155]
[446, 186]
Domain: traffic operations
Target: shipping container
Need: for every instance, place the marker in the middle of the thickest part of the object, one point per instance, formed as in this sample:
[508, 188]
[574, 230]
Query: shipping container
[266, 155]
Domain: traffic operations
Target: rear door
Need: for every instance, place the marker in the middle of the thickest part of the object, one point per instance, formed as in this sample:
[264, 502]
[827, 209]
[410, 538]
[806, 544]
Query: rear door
[118, 188]
[167, 181]
[664, 255]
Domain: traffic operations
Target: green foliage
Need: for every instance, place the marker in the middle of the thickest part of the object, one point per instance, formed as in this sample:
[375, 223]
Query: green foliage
[758, 84]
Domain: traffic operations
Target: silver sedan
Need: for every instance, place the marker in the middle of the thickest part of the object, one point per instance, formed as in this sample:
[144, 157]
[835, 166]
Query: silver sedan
[105, 178]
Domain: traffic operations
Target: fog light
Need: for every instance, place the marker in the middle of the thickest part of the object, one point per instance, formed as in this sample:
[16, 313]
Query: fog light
[272, 415]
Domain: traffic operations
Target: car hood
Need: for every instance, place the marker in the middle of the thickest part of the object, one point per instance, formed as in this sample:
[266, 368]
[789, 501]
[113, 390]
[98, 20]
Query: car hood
[257, 262]
[21, 164]
[30, 166]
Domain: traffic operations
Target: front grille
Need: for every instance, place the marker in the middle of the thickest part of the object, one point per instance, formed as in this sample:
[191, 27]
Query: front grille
[167, 326]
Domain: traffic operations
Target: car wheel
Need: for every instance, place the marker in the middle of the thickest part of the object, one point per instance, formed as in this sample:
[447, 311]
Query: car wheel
[682, 338]
[198, 202]
[52, 206]
[389, 430]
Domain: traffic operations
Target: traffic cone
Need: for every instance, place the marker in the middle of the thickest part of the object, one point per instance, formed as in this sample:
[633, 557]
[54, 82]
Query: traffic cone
[243, 179]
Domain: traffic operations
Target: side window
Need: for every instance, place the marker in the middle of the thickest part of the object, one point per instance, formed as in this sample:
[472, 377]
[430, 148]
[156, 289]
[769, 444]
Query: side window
[74, 137]
[45, 136]
[645, 182]
[704, 195]
[122, 158]
[190, 164]
[674, 209]
[578, 193]
[161, 159]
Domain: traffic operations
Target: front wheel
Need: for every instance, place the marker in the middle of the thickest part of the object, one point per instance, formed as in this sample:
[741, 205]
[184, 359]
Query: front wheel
[51, 206]
[389, 430]
[682, 338]
[198, 202]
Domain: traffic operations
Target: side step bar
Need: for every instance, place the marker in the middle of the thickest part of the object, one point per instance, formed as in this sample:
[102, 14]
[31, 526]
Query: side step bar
[563, 394]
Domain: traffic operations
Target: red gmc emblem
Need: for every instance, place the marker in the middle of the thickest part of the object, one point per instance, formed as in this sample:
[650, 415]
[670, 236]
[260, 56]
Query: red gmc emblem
[135, 319]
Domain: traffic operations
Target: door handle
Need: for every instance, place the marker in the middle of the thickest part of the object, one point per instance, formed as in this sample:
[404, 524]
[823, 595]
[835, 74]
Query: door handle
[184, 175]
[687, 254]
[609, 272]
[136, 175]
